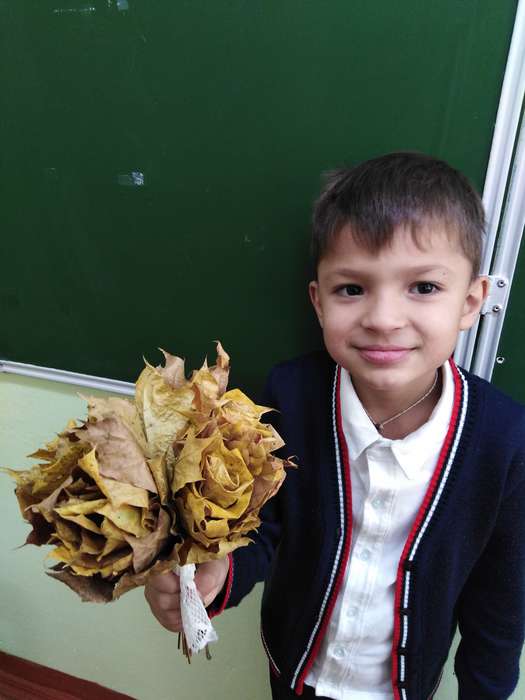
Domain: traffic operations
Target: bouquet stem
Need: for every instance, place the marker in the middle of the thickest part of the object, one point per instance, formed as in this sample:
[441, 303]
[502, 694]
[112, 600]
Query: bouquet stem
[186, 650]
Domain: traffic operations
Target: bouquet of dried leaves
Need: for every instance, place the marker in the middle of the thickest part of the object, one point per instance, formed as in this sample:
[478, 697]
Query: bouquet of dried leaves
[174, 478]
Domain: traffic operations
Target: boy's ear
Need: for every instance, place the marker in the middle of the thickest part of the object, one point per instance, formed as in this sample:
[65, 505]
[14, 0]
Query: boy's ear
[313, 290]
[476, 295]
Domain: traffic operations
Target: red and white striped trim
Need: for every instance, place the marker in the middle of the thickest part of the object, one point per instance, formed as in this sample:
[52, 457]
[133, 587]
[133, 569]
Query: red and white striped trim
[343, 547]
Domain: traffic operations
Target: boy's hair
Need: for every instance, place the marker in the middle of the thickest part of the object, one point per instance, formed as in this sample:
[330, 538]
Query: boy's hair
[398, 189]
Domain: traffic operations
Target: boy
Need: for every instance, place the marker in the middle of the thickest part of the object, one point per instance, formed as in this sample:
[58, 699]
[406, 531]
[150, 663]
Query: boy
[405, 517]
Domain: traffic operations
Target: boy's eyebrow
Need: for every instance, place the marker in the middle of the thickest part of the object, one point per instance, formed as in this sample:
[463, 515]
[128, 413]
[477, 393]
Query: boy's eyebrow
[421, 270]
[424, 269]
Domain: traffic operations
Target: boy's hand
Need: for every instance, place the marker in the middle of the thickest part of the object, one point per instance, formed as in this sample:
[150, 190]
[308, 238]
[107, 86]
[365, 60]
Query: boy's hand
[162, 591]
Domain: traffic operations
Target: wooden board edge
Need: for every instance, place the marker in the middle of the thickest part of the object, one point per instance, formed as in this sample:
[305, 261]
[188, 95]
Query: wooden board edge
[21, 679]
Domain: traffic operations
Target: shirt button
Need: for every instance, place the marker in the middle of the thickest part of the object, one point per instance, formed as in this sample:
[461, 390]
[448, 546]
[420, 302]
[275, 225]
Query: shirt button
[352, 611]
[377, 503]
[365, 554]
[339, 652]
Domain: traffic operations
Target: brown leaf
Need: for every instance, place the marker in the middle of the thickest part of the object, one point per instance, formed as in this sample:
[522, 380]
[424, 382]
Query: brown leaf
[46, 506]
[41, 532]
[266, 484]
[67, 531]
[122, 409]
[91, 544]
[119, 455]
[92, 590]
[173, 370]
[117, 492]
[221, 370]
[129, 581]
[145, 549]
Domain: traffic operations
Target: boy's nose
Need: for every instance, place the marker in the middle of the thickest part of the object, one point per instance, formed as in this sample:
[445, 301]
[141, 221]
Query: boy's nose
[383, 314]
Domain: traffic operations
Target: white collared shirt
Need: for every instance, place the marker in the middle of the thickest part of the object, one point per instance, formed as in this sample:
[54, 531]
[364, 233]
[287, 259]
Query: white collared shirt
[389, 479]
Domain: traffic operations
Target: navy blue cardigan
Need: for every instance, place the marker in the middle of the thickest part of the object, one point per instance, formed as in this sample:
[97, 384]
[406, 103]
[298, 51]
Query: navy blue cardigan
[463, 562]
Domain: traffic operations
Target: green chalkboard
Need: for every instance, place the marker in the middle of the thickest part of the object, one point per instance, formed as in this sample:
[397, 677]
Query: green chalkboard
[159, 160]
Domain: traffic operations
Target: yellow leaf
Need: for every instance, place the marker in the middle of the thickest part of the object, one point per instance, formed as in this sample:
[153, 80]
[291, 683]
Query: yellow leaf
[110, 546]
[227, 481]
[62, 554]
[82, 521]
[191, 552]
[125, 518]
[187, 468]
[116, 567]
[235, 406]
[163, 410]
[77, 506]
[158, 468]
[111, 531]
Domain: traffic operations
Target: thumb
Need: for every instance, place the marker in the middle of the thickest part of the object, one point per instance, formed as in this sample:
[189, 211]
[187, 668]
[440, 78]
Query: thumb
[209, 579]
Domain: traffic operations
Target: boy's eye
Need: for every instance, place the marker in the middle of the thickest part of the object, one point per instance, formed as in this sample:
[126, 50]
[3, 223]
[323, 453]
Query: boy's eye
[351, 290]
[424, 287]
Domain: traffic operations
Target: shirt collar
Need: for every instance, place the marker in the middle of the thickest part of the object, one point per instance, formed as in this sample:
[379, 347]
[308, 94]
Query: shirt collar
[359, 430]
[409, 451]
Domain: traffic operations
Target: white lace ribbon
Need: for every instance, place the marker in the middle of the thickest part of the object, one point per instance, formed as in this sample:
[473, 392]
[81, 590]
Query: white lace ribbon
[196, 624]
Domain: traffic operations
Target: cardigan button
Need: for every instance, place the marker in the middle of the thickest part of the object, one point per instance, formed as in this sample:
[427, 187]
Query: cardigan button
[364, 554]
[339, 651]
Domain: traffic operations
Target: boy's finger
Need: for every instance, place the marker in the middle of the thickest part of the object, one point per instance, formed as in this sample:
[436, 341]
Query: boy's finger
[208, 593]
[164, 602]
[204, 581]
[164, 583]
[171, 621]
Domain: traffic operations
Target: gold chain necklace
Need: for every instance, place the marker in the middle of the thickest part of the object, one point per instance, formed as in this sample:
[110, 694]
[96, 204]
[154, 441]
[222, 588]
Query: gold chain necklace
[379, 426]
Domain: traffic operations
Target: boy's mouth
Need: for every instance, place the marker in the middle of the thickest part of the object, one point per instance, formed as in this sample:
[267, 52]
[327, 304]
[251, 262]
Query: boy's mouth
[383, 354]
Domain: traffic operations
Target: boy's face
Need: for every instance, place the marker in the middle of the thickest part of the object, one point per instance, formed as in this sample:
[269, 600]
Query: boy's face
[392, 318]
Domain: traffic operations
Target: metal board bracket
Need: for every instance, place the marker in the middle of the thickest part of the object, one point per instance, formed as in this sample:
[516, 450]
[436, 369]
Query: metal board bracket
[497, 297]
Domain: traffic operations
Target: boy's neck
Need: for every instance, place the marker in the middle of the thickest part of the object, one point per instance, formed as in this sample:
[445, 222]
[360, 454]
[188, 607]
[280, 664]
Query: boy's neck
[384, 407]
